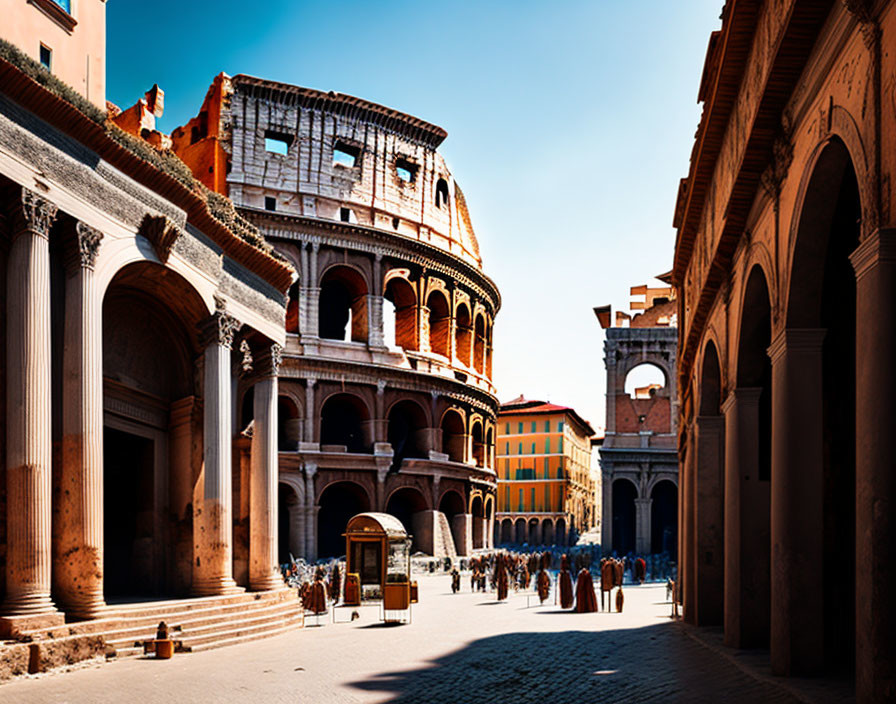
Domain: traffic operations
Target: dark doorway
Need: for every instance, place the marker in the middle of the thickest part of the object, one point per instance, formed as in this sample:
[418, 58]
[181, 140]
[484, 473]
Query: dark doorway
[624, 494]
[128, 564]
[403, 504]
[664, 518]
[338, 503]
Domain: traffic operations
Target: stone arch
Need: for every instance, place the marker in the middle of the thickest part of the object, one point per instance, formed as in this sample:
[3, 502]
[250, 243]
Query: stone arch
[490, 446]
[560, 537]
[403, 298]
[409, 505]
[148, 534]
[408, 429]
[442, 197]
[479, 343]
[477, 510]
[519, 531]
[547, 531]
[453, 435]
[645, 379]
[625, 492]
[452, 505]
[292, 308]
[710, 381]
[343, 304]
[490, 501]
[478, 441]
[338, 501]
[345, 423]
[506, 531]
[463, 336]
[664, 517]
[288, 424]
[439, 322]
[290, 520]
[534, 531]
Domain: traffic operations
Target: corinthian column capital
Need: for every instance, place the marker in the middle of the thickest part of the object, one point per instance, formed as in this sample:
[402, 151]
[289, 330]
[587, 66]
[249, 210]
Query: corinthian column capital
[33, 213]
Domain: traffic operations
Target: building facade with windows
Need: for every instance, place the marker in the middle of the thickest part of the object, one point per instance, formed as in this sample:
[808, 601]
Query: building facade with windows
[385, 397]
[546, 489]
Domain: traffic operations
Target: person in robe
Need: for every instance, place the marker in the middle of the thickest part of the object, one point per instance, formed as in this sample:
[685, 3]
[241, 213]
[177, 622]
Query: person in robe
[586, 600]
[564, 584]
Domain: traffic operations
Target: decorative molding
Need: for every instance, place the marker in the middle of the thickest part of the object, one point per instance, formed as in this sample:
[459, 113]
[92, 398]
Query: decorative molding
[878, 247]
[89, 239]
[55, 12]
[863, 11]
[219, 329]
[246, 360]
[796, 340]
[36, 214]
[162, 234]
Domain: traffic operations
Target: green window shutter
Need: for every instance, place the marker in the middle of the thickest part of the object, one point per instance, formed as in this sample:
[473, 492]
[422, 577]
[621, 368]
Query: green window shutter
[507, 428]
[560, 444]
[520, 428]
[533, 426]
[547, 446]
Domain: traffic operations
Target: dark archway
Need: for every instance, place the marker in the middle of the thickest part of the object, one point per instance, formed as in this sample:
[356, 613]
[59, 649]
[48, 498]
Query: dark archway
[439, 323]
[547, 532]
[519, 531]
[342, 422]
[664, 518]
[452, 505]
[477, 509]
[560, 536]
[343, 305]
[287, 425]
[534, 532]
[453, 436]
[407, 430]
[338, 503]
[463, 337]
[506, 531]
[478, 444]
[406, 503]
[479, 345]
[292, 309]
[401, 295]
[287, 540]
[624, 495]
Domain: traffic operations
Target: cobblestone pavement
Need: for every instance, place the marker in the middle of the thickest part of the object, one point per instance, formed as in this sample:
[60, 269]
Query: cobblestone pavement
[464, 648]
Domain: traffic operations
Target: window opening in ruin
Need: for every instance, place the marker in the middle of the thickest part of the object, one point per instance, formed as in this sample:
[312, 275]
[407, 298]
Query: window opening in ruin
[270, 203]
[277, 142]
[406, 170]
[46, 57]
[347, 215]
[395, 222]
[442, 193]
[345, 155]
[644, 380]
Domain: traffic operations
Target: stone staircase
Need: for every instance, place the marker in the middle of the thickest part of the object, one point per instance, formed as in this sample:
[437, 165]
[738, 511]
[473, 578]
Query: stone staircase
[200, 623]
[443, 540]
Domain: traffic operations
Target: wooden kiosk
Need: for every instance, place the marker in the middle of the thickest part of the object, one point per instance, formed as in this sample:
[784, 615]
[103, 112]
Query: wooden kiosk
[378, 551]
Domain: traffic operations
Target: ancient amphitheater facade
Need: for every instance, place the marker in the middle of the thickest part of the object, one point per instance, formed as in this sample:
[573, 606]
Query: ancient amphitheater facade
[385, 394]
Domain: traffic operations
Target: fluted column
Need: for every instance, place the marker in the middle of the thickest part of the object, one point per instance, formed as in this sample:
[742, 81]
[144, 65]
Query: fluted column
[263, 496]
[797, 503]
[875, 266]
[79, 564]
[28, 403]
[310, 513]
[213, 522]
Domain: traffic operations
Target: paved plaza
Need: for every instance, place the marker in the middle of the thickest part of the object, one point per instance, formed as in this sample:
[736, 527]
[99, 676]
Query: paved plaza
[459, 648]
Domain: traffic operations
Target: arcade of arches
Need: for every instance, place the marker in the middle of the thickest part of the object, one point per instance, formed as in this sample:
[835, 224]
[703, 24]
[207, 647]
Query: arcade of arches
[786, 367]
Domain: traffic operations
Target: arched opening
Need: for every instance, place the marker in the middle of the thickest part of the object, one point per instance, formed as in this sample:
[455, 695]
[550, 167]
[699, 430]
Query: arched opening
[489, 350]
[338, 503]
[624, 495]
[534, 532]
[560, 533]
[343, 305]
[753, 448]
[452, 505]
[463, 336]
[644, 381]
[519, 531]
[439, 323]
[488, 533]
[292, 309]
[478, 444]
[547, 532]
[288, 424]
[664, 518]
[479, 345]
[407, 504]
[453, 436]
[147, 472]
[821, 466]
[478, 512]
[506, 531]
[343, 419]
[442, 198]
[402, 323]
[290, 540]
[407, 432]
[490, 449]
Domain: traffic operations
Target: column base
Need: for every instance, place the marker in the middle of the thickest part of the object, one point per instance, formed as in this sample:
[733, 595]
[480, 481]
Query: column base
[217, 587]
[270, 582]
[14, 626]
[90, 606]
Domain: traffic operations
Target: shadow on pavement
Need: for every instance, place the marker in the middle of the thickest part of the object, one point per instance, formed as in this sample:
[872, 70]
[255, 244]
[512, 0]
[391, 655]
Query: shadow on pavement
[649, 664]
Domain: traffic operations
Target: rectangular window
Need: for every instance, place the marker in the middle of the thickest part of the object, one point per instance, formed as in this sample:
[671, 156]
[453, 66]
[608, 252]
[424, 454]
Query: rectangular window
[532, 497]
[520, 502]
[559, 426]
[345, 154]
[560, 472]
[520, 449]
[547, 446]
[277, 142]
[547, 468]
[560, 444]
[507, 428]
[406, 170]
[520, 428]
[270, 203]
[65, 5]
[533, 448]
[547, 426]
[46, 57]
[506, 448]
[534, 427]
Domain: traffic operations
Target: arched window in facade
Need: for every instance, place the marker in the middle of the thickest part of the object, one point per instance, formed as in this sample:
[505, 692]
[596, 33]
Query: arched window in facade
[343, 421]
[443, 200]
[402, 300]
[439, 323]
[343, 305]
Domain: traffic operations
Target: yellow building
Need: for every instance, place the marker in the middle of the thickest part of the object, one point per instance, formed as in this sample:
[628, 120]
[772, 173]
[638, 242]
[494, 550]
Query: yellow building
[546, 488]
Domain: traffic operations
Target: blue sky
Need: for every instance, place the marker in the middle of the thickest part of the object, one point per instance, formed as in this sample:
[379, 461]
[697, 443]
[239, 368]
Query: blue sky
[569, 125]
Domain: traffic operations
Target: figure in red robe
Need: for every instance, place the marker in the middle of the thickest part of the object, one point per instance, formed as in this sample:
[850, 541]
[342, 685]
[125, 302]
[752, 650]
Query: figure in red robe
[586, 600]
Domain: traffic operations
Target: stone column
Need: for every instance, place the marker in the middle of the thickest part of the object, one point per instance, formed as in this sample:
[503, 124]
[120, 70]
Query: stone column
[312, 293]
[642, 525]
[310, 513]
[304, 285]
[213, 519]
[263, 495]
[746, 610]
[28, 404]
[309, 410]
[375, 336]
[875, 265]
[606, 518]
[423, 332]
[797, 503]
[686, 539]
[79, 567]
[710, 573]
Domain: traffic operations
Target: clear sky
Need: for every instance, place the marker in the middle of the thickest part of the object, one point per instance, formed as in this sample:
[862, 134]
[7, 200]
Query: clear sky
[569, 125]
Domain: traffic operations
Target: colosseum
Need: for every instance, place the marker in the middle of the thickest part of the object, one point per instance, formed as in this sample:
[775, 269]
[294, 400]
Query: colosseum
[385, 395]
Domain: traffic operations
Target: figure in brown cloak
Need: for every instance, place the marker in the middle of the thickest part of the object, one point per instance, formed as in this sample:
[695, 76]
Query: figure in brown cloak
[455, 581]
[524, 577]
[318, 599]
[543, 584]
[586, 601]
[501, 582]
[335, 583]
[640, 570]
[619, 600]
[564, 583]
[305, 595]
[607, 582]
